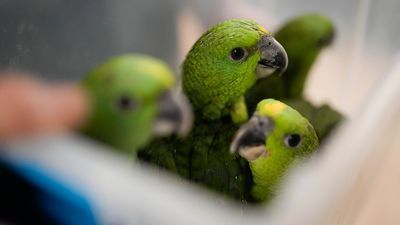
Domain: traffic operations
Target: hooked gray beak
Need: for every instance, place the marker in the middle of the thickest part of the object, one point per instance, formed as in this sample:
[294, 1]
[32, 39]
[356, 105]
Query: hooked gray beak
[250, 140]
[174, 115]
[273, 57]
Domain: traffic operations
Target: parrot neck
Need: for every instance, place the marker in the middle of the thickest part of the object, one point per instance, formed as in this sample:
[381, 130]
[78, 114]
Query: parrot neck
[267, 174]
[217, 98]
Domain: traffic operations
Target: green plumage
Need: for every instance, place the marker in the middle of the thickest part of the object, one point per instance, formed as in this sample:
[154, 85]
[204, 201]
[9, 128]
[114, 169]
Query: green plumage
[280, 153]
[215, 82]
[203, 157]
[125, 93]
[323, 117]
[303, 38]
[224, 63]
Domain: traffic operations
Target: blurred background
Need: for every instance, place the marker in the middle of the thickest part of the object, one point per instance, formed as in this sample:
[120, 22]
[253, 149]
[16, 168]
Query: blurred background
[62, 40]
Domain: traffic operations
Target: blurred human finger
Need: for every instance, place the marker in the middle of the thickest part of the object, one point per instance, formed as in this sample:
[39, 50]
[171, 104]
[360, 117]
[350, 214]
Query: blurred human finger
[31, 107]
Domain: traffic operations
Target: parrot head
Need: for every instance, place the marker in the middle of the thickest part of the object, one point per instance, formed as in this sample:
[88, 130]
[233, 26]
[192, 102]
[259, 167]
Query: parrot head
[132, 101]
[303, 38]
[226, 61]
[273, 139]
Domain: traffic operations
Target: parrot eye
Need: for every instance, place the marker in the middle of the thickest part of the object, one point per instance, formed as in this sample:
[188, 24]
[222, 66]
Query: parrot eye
[238, 54]
[125, 103]
[292, 140]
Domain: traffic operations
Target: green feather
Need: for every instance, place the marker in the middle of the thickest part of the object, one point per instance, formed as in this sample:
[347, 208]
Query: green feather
[214, 84]
[124, 93]
[303, 37]
[203, 157]
[212, 81]
[268, 171]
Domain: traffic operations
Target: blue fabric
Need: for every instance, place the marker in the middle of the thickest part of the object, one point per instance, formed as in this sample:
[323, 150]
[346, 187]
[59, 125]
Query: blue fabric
[60, 201]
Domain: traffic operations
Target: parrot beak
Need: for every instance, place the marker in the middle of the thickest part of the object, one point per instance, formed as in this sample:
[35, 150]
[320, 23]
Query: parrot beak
[273, 57]
[250, 140]
[174, 116]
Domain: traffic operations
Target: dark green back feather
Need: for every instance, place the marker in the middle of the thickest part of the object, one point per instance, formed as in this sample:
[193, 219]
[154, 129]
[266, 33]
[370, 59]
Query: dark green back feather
[203, 157]
[303, 38]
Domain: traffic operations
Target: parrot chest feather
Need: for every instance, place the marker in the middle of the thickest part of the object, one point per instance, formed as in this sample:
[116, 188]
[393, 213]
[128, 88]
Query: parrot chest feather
[204, 158]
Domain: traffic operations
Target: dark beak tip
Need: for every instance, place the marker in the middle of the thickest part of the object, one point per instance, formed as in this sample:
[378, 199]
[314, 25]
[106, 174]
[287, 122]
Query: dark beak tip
[281, 59]
[175, 115]
[279, 62]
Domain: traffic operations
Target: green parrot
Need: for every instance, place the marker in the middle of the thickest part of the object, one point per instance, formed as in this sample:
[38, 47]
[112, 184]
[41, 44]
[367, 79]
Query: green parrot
[224, 63]
[303, 38]
[221, 66]
[275, 138]
[132, 101]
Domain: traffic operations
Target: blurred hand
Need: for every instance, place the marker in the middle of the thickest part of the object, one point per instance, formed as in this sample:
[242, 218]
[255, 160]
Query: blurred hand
[31, 107]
